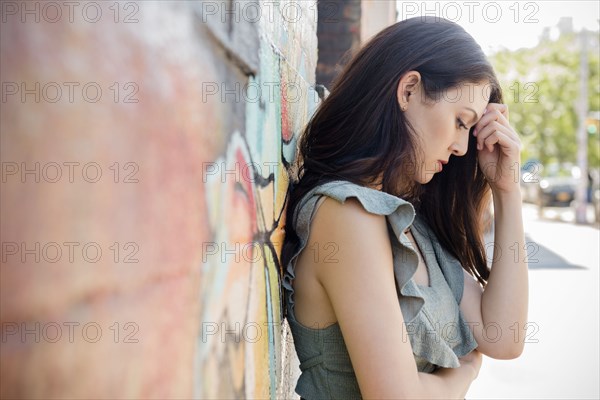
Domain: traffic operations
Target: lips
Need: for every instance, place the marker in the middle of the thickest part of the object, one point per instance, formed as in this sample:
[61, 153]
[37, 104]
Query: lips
[441, 164]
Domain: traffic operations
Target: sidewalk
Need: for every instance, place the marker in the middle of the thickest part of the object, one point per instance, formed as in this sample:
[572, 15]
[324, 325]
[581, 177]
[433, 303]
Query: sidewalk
[561, 358]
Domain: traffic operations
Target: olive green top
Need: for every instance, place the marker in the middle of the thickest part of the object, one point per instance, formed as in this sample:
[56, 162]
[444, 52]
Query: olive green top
[433, 321]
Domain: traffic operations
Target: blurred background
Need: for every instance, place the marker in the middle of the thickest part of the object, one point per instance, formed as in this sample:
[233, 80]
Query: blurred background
[144, 149]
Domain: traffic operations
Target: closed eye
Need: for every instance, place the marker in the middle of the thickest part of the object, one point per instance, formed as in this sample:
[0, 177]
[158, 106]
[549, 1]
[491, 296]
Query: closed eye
[461, 124]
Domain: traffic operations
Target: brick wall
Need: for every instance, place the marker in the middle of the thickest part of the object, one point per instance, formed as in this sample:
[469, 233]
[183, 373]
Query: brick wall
[142, 195]
[338, 31]
[343, 26]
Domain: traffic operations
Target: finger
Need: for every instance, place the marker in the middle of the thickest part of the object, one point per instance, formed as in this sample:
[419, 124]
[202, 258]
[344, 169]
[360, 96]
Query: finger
[503, 121]
[493, 111]
[489, 116]
[489, 130]
[494, 124]
[490, 141]
[505, 112]
[503, 108]
[501, 138]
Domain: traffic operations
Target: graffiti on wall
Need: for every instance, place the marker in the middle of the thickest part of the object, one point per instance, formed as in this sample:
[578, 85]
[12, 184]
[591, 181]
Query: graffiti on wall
[242, 350]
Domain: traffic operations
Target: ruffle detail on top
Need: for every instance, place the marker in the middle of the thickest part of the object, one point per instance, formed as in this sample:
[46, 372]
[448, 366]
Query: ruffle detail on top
[400, 215]
[430, 344]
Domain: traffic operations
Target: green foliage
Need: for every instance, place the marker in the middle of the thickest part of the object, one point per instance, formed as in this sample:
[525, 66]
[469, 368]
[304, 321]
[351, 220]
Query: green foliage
[541, 88]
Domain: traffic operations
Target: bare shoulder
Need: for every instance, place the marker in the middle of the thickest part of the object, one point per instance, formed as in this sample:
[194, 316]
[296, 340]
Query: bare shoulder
[336, 229]
[351, 231]
[349, 218]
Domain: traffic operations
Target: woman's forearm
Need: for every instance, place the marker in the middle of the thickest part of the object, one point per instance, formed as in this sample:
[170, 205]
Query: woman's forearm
[447, 383]
[505, 299]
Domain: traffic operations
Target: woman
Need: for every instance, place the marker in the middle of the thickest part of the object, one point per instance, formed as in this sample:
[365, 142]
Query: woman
[396, 169]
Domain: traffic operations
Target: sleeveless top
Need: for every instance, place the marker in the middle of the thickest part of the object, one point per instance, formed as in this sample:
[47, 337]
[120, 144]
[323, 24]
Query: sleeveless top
[432, 318]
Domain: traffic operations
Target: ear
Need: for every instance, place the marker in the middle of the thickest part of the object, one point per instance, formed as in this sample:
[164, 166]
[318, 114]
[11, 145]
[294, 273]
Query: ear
[407, 86]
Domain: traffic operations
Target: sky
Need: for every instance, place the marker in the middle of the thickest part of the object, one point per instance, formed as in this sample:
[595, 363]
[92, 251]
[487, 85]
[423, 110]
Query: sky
[507, 24]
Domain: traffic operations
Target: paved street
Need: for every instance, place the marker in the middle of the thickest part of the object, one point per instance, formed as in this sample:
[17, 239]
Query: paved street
[561, 358]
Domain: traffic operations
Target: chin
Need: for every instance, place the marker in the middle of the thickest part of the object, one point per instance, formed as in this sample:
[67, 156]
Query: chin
[425, 179]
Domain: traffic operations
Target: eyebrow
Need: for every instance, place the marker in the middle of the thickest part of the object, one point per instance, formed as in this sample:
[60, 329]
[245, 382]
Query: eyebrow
[474, 112]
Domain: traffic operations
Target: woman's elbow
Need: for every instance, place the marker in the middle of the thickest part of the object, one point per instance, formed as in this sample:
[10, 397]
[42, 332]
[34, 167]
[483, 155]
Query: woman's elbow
[505, 351]
[514, 351]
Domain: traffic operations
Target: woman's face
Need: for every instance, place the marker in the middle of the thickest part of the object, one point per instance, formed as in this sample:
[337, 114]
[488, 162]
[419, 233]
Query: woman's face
[442, 126]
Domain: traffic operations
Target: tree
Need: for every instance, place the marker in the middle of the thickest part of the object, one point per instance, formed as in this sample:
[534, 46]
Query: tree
[540, 86]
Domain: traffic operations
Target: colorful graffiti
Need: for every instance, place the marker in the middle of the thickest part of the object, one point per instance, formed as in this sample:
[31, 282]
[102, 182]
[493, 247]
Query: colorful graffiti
[236, 277]
[245, 350]
[241, 321]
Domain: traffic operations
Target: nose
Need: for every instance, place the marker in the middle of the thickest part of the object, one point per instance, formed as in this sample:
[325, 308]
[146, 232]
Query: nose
[460, 146]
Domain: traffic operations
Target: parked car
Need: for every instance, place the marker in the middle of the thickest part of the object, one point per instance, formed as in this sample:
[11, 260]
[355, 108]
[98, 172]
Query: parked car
[558, 185]
[555, 185]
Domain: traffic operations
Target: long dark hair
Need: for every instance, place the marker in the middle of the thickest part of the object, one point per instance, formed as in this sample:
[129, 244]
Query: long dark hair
[359, 134]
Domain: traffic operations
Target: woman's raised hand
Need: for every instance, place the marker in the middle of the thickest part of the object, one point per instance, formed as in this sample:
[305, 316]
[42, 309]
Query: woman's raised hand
[499, 148]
